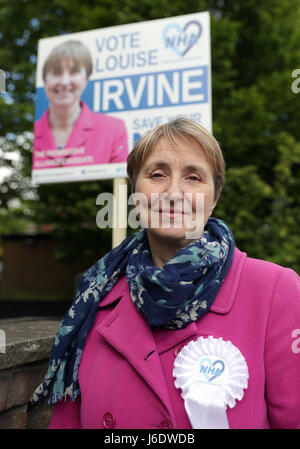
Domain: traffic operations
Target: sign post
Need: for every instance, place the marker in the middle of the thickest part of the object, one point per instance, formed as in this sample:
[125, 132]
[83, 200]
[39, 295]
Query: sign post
[119, 211]
[2, 81]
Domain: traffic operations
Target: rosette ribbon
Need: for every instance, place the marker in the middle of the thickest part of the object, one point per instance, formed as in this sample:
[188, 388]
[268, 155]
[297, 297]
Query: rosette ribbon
[212, 374]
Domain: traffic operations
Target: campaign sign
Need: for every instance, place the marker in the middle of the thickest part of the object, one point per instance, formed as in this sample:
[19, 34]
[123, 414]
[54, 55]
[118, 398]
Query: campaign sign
[122, 82]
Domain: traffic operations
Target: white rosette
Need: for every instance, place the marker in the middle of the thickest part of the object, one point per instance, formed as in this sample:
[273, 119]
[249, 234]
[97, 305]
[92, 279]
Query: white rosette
[212, 374]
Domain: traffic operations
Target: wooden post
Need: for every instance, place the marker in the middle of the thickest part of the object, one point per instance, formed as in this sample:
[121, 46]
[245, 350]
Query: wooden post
[119, 231]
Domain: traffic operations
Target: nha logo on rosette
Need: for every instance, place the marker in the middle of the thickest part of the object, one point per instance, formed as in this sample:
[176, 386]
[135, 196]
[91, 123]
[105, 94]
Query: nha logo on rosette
[212, 374]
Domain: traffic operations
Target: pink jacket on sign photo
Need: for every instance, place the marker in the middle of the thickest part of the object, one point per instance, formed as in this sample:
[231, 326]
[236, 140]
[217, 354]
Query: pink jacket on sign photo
[126, 372]
[95, 139]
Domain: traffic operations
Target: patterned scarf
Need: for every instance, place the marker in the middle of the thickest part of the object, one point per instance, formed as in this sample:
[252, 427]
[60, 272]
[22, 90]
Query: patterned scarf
[174, 296]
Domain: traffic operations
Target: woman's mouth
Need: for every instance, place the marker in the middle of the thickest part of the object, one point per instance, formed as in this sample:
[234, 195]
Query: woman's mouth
[62, 91]
[171, 212]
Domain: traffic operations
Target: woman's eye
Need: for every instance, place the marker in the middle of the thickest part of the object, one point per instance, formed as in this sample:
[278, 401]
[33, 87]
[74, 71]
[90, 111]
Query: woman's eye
[193, 178]
[56, 72]
[157, 175]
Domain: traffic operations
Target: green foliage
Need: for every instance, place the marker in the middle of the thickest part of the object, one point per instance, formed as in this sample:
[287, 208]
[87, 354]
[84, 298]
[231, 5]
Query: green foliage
[255, 48]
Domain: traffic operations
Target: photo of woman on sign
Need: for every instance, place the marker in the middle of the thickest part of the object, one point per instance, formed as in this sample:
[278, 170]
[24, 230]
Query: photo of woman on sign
[69, 133]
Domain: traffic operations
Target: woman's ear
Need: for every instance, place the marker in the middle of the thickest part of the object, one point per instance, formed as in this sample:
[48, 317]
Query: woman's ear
[212, 208]
[214, 204]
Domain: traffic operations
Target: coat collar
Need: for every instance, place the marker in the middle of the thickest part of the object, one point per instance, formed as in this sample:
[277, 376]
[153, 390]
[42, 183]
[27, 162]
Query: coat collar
[227, 293]
[124, 337]
[80, 134]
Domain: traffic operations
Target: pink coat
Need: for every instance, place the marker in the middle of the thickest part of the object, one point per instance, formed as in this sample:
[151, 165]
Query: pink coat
[104, 139]
[126, 370]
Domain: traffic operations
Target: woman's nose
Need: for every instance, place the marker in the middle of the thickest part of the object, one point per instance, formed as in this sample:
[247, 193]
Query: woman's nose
[174, 186]
[65, 77]
[174, 189]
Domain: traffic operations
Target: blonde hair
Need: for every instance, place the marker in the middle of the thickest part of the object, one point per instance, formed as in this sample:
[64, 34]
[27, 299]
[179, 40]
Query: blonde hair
[182, 128]
[72, 49]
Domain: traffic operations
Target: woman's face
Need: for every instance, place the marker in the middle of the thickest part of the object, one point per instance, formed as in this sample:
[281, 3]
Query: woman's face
[65, 83]
[177, 182]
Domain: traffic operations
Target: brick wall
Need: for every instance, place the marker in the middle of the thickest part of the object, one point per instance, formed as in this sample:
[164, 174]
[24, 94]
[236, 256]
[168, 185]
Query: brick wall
[24, 357]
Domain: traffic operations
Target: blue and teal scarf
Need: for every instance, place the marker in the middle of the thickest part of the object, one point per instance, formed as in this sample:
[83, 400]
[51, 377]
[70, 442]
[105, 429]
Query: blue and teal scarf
[174, 296]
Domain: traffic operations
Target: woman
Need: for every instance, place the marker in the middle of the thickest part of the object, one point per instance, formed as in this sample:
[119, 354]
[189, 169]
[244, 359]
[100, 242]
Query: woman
[173, 331]
[94, 138]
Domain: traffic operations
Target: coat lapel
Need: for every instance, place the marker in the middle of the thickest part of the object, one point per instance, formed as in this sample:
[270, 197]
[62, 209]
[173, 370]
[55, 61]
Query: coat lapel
[82, 129]
[43, 137]
[129, 333]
